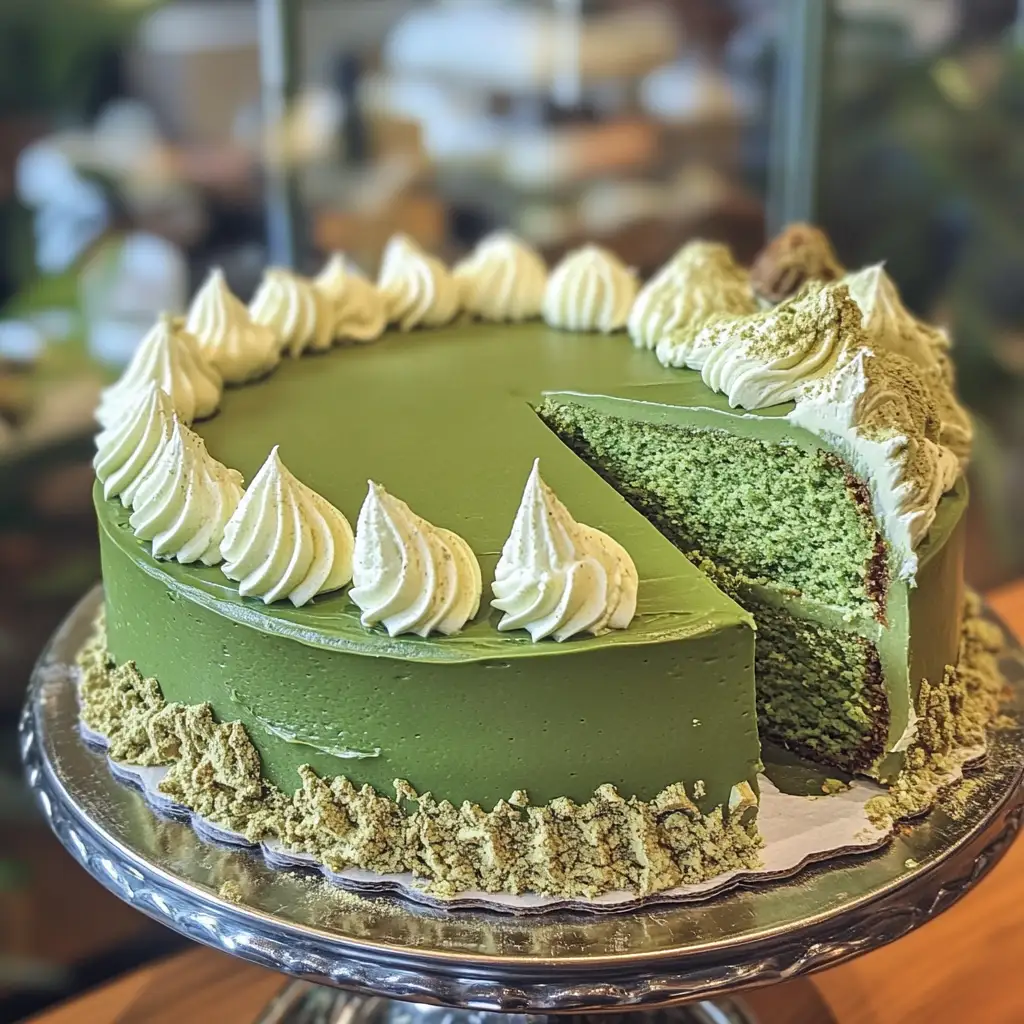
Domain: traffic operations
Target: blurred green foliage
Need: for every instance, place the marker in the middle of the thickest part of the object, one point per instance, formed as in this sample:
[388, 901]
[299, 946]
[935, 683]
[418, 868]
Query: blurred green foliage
[54, 53]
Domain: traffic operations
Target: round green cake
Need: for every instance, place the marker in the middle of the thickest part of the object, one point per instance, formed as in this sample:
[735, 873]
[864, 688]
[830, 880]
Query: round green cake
[775, 601]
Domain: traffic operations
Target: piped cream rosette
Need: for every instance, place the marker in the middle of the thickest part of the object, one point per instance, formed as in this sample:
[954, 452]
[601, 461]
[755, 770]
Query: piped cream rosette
[184, 498]
[285, 541]
[502, 280]
[231, 340]
[557, 577]
[418, 289]
[170, 357]
[357, 307]
[125, 450]
[700, 282]
[590, 290]
[299, 314]
[409, 575]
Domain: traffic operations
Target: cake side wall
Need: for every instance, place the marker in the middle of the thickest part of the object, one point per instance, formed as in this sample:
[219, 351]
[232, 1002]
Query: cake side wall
[639, 718]
[936, 609]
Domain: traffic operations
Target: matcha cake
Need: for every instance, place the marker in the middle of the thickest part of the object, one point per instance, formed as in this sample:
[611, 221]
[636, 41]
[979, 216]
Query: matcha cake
[585, 579]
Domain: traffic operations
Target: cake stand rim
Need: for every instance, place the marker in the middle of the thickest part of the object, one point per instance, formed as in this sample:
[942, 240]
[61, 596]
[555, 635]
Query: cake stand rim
[637, 977]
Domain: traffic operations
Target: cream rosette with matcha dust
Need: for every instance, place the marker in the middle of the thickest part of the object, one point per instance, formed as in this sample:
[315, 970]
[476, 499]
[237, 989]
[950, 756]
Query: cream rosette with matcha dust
[700, 282]
[284, 542]
[766, 358]
[126, 449]
[800, 253]
[184, 499]
[796, 467]
[889, 325]
[409, 575]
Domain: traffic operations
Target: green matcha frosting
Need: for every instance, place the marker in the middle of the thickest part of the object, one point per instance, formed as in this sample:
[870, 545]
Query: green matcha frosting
[562, 848]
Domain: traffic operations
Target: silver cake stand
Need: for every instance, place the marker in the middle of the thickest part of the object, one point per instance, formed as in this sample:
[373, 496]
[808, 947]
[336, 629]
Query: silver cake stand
[464, 965]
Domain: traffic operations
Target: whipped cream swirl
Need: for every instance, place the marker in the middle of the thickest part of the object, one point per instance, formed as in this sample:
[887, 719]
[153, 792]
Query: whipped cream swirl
[768, 358]
[285, 541]
[887, 321]
[418, 289]
[409, 575]
[358, 308]
[126, 450]
[875, 409]
[298, 313]
[557, 577]
[184, 499]
[170, 357]
[889, 325]
[239, 348]
[503, 280]
[590, 290]
[701, 282]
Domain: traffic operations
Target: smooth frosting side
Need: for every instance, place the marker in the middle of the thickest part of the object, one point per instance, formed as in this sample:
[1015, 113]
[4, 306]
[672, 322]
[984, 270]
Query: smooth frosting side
[238, 347]
[503, 280]
[890, 325]
[875, 409]
[564, 848]
[170, 357]
[125, 450]
[559, 578]
[767, 358]
[418, 289]
[184, 499]
[358, 308]
[409, 575]
[297, 312]
[590, 290]
[285, 541]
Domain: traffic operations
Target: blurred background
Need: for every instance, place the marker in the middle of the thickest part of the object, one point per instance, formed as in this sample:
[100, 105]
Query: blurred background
[142, 142]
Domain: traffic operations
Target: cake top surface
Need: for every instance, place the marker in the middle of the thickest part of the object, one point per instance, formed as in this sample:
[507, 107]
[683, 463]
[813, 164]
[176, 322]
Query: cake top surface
[440, 413]
[445, 420]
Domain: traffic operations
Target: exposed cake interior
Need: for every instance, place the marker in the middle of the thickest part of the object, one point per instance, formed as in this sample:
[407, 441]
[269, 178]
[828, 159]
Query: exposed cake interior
[788, 532]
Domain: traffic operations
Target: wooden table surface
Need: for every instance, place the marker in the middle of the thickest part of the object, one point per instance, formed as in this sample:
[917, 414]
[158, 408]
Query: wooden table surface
[963, 966]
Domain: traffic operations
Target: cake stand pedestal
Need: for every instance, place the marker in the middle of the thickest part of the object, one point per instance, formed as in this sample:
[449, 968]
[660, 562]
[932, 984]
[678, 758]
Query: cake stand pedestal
[679, 961]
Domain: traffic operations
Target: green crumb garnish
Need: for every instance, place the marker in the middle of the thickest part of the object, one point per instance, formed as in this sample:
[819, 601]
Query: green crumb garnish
[832, 786]
[231, 891]
[563, 848]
